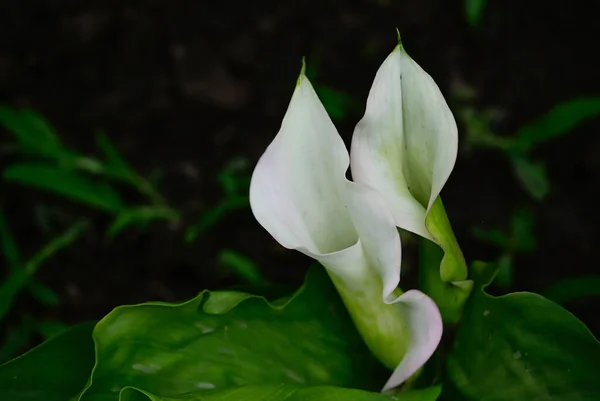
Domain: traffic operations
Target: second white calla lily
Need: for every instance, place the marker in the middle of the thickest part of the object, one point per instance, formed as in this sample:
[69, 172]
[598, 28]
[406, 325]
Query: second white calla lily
[406, 144]
[299, 193]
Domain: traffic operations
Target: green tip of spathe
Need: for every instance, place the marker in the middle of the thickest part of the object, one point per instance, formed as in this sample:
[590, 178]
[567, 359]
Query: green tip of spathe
[302, 71]
[399, 39]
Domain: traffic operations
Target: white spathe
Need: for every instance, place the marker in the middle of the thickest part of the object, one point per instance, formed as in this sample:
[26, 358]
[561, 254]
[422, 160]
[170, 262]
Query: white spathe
[299, 193]
[406, 144]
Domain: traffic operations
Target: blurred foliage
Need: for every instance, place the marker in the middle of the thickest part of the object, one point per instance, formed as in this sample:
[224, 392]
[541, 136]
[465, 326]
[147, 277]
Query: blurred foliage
[235, 183]
[21, 276]
[243, 267]
[573, 288]
[559, 121]
[46, 164]
[474, 11]
[50, 166]
[518, 238]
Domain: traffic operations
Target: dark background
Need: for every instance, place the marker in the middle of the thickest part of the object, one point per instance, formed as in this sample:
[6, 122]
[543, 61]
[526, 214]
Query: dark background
[186, 86]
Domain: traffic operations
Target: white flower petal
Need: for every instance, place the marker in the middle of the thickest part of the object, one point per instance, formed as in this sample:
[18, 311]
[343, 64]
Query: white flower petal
[425, 326]
[300, 194]
[406, 144]
[297, 185]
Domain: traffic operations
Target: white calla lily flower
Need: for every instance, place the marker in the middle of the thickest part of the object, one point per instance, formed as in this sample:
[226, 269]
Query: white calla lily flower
[299, 193]
[407, 142]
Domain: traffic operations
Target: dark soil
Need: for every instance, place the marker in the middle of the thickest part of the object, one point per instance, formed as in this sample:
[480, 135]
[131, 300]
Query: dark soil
[185, 87]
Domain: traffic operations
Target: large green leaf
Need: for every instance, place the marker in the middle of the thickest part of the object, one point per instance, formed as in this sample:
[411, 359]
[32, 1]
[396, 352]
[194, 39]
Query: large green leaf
[522, 346]
[222, 340]
[57, 370]
[286, 392]
[66, 183]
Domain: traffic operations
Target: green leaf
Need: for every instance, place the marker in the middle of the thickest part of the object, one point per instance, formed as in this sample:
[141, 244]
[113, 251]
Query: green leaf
[521, 346]
[558, 121]
[32, 131]
[506, 272]
[494, 237]
[443, 273]
[222, 340]
[116, 165]
[10, 287]
[474, 11]
[49, 329]
[66, 183]
[212, 216]
[59, 242]
[532, 176]
[242, 266]
[140, 215]
[234, 179]
[337, 103]
[573, 288]
[522, 230]
[284, 392]
[57, 370]
[43, 293]
[15, 340]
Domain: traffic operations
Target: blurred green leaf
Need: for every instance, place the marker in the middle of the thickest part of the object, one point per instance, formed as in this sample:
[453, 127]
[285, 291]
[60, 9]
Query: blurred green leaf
[241, 266]
[214, 214]
[337, 103]
[10, 287]
[558, 121]
[225, 339]
[57, 370]
[83, 163]
[284, 392]
[140, 215]
[49, 329]
[505, 275]
[474, 11]
[43, 293]
[66, 183]
[116, 165]
[60, 242]
[532, 176]
[9, 246]
[233, 178]
[520, 346]
[522, 230]
[32, 131]
[492, 236]
[18, 336]
[119, 169]
[573, 288]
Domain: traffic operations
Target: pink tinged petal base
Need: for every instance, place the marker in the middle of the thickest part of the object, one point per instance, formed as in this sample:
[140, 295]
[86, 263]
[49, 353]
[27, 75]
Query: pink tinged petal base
[425, 324]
